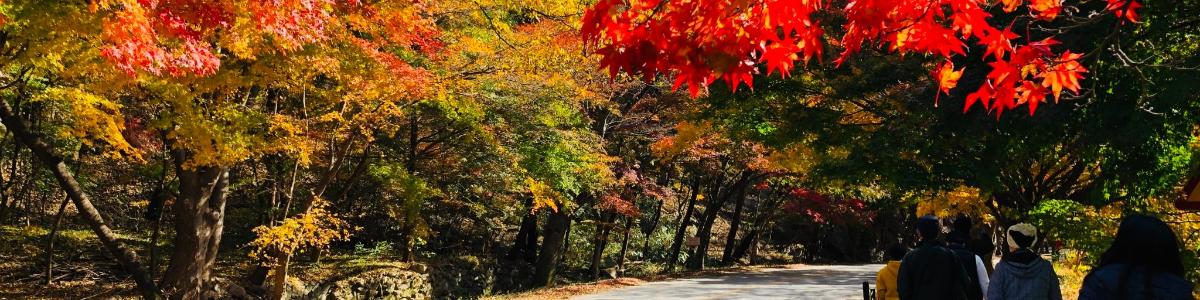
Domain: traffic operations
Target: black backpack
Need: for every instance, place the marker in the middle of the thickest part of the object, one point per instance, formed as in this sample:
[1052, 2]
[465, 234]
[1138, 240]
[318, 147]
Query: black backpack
[967, 259]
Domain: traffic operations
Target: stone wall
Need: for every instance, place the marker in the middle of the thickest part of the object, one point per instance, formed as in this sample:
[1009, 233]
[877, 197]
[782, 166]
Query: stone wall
[469, 277]
[462, 277]
[373, 283]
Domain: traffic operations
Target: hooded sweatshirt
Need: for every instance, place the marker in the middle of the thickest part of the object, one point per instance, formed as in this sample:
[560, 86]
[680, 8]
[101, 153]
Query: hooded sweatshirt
[1024, 275]
[885, 281]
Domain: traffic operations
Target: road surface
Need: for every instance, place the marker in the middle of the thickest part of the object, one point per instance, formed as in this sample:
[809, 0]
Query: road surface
[798, 282]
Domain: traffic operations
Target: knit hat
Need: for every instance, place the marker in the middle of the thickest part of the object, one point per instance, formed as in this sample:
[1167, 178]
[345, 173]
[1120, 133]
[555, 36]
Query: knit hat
[1022, 235]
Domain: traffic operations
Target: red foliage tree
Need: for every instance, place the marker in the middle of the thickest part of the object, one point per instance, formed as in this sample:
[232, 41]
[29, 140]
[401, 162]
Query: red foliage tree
[823, 209]
[190, 37]
[701, 41]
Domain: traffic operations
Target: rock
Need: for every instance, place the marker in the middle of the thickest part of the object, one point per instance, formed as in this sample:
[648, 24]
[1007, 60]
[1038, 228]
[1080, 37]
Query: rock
[237, 292]
[386, 283]
[256, 291]
[419, 268]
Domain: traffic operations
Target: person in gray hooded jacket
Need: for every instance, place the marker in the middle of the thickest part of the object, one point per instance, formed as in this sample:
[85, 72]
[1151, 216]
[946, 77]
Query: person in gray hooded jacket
[1022, 274]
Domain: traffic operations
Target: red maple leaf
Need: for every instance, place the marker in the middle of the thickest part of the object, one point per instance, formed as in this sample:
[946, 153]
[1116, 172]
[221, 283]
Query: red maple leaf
[1032, 94]
[780, 56]
[998, 42]
[1126, 10]
[699, 41]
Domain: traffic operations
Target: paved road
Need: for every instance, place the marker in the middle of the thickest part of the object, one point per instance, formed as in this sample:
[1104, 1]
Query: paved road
[802, 282]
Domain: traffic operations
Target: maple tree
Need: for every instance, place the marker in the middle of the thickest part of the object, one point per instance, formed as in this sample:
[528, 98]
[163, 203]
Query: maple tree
[191, 58]
[699, 42]
[185, 37]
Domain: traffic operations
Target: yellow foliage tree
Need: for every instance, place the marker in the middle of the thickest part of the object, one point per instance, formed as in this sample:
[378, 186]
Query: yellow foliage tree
[313, 230]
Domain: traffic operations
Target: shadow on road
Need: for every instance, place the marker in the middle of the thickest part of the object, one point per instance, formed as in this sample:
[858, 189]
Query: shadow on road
[806, 282]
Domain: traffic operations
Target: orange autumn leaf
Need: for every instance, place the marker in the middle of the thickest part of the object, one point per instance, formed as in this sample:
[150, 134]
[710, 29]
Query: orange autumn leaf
[1010, 5]
[1046, 9]
[1066, 73]
[947, 77]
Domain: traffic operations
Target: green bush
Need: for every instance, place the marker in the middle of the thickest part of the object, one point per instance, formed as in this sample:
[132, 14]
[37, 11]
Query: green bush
[1077, 226]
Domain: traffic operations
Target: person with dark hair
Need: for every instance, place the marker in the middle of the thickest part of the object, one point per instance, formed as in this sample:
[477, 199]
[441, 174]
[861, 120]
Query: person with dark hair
[962, 228]
[885, 280]
[982, 245]
[1142, 263]
[976, 273]
[930, 271]
[1023, 274]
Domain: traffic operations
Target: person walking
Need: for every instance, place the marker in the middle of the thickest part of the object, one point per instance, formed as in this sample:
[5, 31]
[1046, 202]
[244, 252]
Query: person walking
[1023, 274]
[931, 271]
[1143, 262]
[885, 280]
[957, 241]
[982, 245]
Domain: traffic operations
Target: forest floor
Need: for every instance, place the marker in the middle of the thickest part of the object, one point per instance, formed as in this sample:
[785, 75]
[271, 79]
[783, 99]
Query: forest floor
[83, 271]
[80, 270]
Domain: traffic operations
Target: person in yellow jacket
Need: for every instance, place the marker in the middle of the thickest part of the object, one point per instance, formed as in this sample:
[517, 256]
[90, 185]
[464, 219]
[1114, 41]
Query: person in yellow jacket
[885, 280]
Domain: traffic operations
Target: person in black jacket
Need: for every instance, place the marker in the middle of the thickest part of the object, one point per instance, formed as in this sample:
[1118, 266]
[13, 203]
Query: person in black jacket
[931, 271]
[977, 274]
[983, 247]
[1143, 262]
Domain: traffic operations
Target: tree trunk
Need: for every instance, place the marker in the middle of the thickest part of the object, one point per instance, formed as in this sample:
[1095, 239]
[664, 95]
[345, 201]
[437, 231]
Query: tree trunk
[698, 255]
[157, 231]
[697, 260]
[525, 245]
[747, 242]
[601, 242]
[730, 239]
[624, 248]
[566, 241]
[4, 184]
[558, 225]
[154, 212]
[199, 220]
[50, 241]
[360, 168]
[685, 220]
[411, 164]
[4, 197]
[409, 231]
[279, 278]
[66, 179]
[650, 229]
